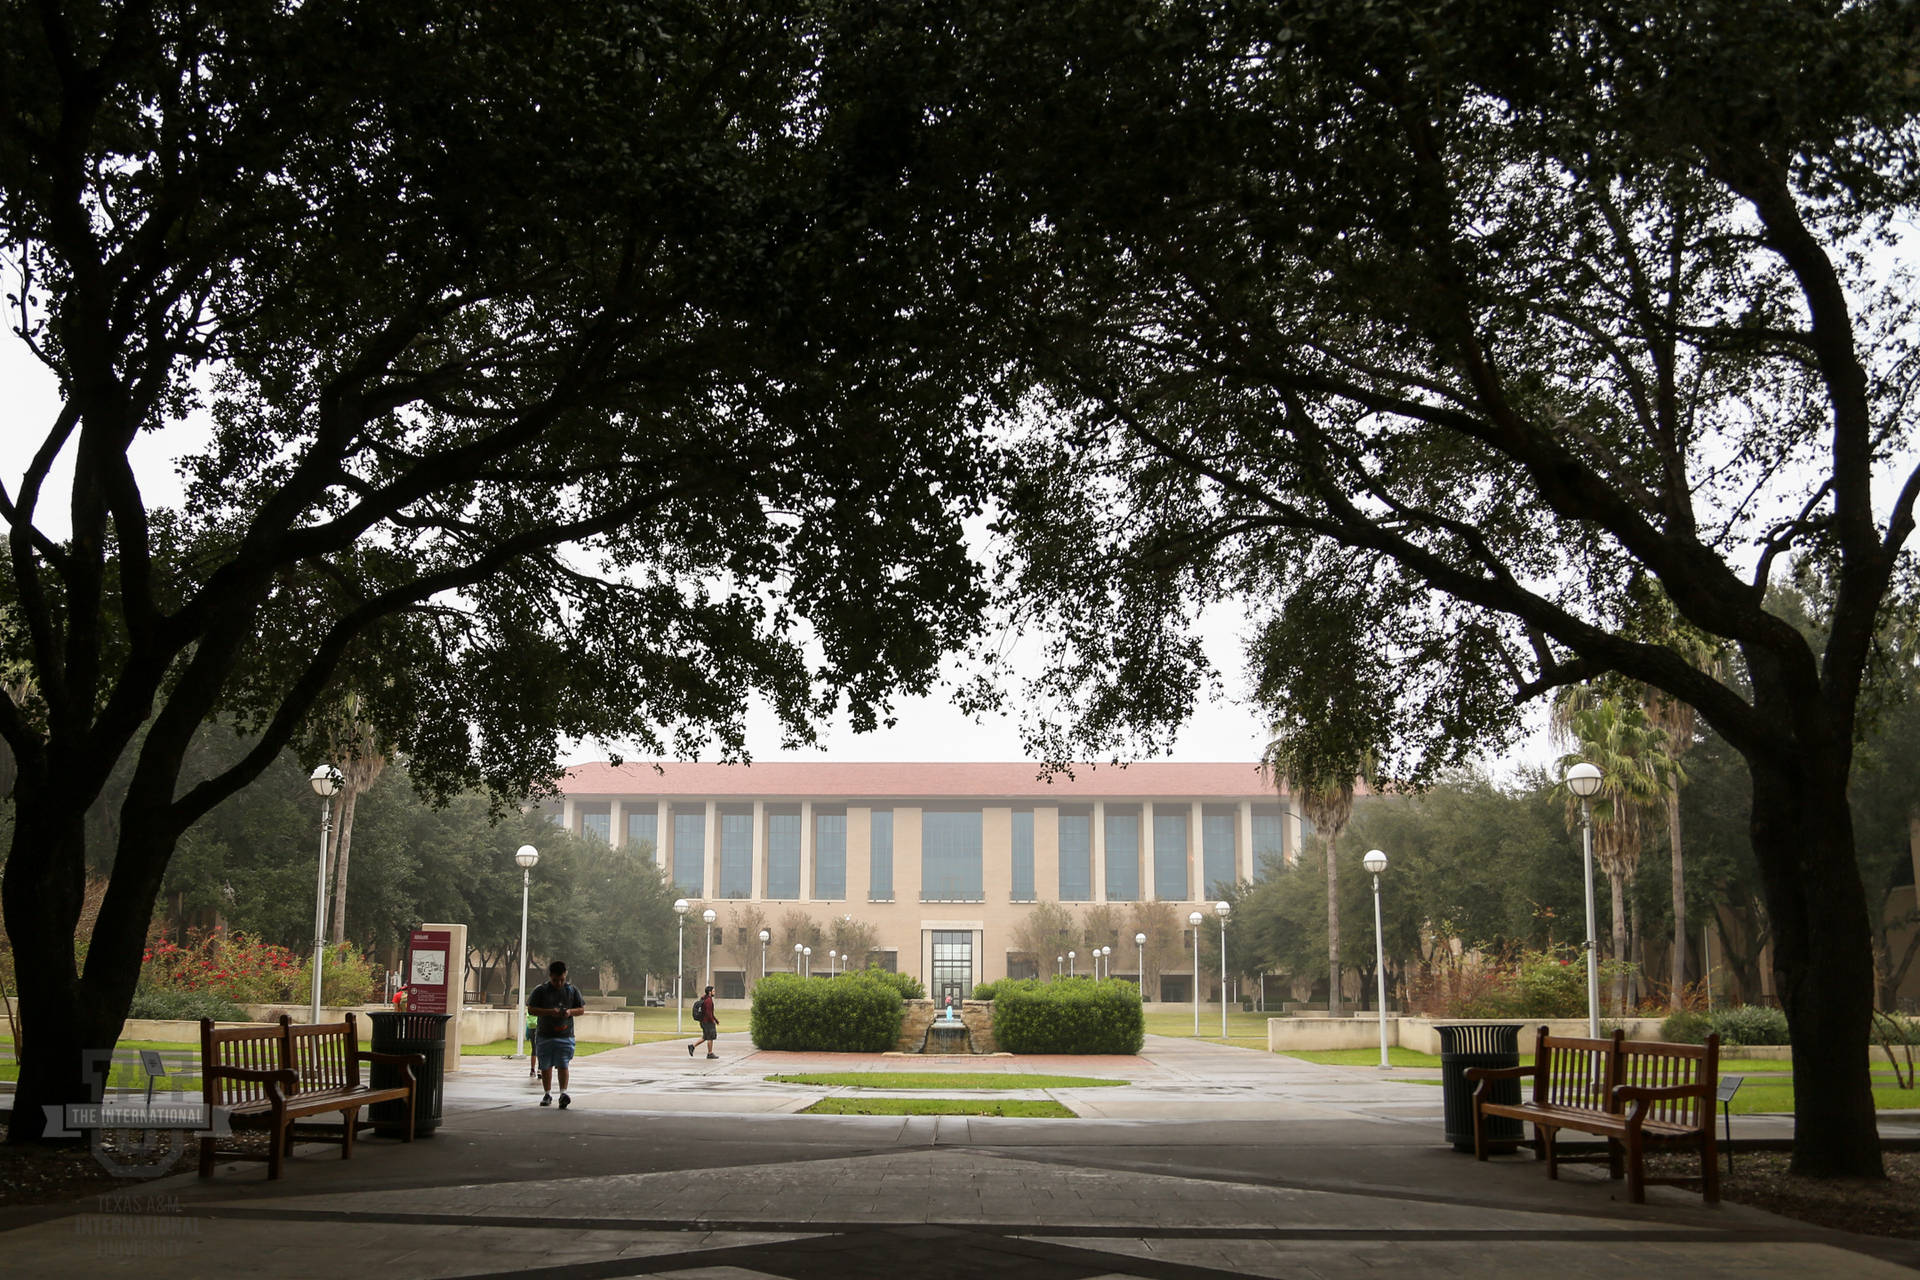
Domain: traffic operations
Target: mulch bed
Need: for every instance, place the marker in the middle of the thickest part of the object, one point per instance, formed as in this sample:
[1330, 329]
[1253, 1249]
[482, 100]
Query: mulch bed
[1760, 1179]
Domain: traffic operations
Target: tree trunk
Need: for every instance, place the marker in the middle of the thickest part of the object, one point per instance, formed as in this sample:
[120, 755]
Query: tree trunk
[342, 846]
[1636, 949]
[1617, 887]
[1823, 956]
[1677, 969]
[1333, 924]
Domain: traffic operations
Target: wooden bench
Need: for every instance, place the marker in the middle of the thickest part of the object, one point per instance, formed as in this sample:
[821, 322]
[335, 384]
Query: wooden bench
[285, 1072]
[1633, 1093]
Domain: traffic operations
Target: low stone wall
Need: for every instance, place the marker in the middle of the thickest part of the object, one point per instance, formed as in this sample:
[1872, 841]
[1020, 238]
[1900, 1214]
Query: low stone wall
[919, 1015]
[1362, 1031]
[485, 1025]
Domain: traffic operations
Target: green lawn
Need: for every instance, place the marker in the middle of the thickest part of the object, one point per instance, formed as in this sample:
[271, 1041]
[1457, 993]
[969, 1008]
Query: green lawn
[1245, 1030]
[1044, 1110]
[1399, 1057]
[942, 1080]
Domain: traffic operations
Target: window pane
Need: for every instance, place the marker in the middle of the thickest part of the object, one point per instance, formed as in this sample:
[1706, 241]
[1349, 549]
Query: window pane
[783, 856]
[1170, 856]
[830, 856]
[1023, 856]
[950, 869]
[689, 852]
[641, 830]
[596, 825]
[1076, 857]
[1217, 853]
[1123, 856]
[736, 855]
[1269, 838]
[880, 864]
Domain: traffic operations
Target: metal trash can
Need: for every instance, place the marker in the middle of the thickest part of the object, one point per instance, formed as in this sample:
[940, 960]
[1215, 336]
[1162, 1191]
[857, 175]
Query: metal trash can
[1480, 1044]
[421, 1033]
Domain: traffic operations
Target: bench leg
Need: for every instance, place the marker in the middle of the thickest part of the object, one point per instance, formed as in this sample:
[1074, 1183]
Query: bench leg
[352, 1116]
[206, 1157]
[1709, 1167]
[1546, 1145]
[1636, 1168]
[1479, 1134]
[1614, 1153]
[413, 1117]
[282, 1145]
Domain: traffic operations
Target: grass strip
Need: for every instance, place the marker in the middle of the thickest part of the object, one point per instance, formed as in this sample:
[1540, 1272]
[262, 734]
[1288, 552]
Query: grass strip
[1042, 1109]
[504, 1048]
[942, 1080]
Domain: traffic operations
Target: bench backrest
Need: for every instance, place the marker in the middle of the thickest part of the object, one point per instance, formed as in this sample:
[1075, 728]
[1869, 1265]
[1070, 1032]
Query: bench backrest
[1570, 1072]
[324, 1054]
[1655, 1064]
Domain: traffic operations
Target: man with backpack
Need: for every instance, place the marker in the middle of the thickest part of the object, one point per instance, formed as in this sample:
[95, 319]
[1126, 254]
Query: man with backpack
[708, 1017]
[555, 1002]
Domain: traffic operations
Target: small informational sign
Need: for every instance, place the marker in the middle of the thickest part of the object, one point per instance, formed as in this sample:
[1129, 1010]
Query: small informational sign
[151, 1060]
[428, 969]
[1730, 1085]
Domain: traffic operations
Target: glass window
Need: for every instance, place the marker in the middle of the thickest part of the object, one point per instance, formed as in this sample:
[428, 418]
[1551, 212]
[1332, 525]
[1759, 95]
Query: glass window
[1216, 853]
[1023, 855]
[1123, 855]
[736, 854]
[1170, 855]
[952, 964]
[596, 825]
[690, 852]
[641, 829]
[1076, 857]
[783, 856]
[950, 864]
[1269, 837]
[829, 855]
[880, 858]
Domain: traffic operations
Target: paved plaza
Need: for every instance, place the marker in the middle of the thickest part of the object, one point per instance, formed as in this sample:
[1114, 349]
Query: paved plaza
[1213, 1162]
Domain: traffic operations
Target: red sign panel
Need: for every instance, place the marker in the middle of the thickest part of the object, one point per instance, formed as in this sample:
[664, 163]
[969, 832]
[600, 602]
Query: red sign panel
[430, 970]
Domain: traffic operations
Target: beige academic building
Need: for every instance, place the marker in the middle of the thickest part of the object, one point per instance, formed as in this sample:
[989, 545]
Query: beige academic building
[942, 861]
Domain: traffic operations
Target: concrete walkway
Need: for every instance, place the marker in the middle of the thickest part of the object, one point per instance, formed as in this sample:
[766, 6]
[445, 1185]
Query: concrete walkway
[1211, 1162]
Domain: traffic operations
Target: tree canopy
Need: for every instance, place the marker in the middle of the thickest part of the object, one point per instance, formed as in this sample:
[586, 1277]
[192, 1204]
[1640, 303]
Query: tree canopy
[551, 367]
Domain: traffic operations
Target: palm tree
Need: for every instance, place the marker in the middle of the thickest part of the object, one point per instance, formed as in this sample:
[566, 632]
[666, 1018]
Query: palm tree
[1325, 795]
[1616, 736]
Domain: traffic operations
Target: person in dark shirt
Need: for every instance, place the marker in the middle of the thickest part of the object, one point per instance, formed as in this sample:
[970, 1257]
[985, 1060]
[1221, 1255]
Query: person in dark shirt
[555, 1001]
[709, 1019]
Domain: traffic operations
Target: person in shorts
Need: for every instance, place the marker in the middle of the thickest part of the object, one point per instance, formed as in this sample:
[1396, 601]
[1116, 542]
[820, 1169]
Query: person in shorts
[555, 1002]
[709, 1019]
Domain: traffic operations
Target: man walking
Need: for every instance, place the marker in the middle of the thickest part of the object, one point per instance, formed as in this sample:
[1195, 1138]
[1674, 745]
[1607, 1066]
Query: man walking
[555, 1001]
[709, 1019]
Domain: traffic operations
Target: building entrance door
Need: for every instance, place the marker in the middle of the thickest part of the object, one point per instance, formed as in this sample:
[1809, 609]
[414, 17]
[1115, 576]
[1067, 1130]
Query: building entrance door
[952, 965]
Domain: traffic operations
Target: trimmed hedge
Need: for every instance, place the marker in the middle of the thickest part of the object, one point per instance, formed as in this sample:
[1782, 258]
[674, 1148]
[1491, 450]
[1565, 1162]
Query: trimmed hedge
[184, 1006]
[905, 983]
[1070, 1015]
[857, 1013]
[1744, 1024]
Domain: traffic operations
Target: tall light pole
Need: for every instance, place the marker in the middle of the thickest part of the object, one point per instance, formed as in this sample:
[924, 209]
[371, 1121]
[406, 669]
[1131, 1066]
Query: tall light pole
[833, 963]
[1059, 965]
[1140, 942]
[765, 938]
[806, 962]
[1070, 964]
[326, 781]
[1222, 909]
[528, 858]
[708, 916]
[798, 947]
[680, 908]
[1193, 922]
[1375, 862]
[1584, 781]
[1106, 960]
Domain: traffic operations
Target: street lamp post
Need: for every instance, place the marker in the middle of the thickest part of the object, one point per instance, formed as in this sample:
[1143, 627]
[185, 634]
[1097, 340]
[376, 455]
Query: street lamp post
[1193, 922]
[1222, 909]
[1106, 961]
[765, 938]
[1375, 862]
[806, 962]
[326, 781]
[528, 858]
[1070, 964]
[708, 917]
[1584, 781]
[1059, 965]
[680, 908]
[1140, 942]
[798, 947]
[833, 962]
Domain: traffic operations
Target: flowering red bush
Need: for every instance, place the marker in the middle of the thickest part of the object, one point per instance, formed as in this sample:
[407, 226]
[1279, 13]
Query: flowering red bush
[235, 966]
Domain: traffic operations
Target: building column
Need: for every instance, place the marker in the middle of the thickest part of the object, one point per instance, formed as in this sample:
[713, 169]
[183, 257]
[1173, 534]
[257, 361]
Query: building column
[663, 836]
[1296, 831]
[1149, 881]
[1197, 848]
[759, 850]
[1098, 838]
[710, 856]
[616, 822]
[806, 851]
[567, 815]
[1243, 840]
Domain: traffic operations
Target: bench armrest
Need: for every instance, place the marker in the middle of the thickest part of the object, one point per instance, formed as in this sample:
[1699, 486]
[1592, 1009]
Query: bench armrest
[417, 1061]
[287, 1080]
[1633, 1100]
[1497, 1073]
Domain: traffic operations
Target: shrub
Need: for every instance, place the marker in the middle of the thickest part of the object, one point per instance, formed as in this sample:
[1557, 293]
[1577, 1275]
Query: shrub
[1686, 1027]
[859, 1013]
[1750, 1024]
[905, 983]
[190, 1006]
[1071, 1016]
[1551, 984]
[991, 990]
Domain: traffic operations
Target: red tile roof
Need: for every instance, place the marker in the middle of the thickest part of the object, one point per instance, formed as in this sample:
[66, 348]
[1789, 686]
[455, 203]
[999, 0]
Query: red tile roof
[898, 781]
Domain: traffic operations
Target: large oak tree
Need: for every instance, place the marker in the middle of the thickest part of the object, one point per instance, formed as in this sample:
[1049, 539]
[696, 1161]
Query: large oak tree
[550, 361]
[1496, 307]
